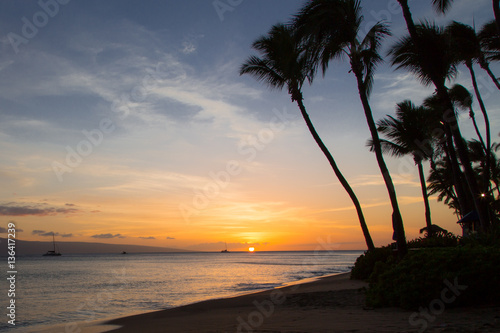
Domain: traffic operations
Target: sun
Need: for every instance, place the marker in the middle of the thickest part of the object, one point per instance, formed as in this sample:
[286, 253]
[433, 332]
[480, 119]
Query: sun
[251, 249]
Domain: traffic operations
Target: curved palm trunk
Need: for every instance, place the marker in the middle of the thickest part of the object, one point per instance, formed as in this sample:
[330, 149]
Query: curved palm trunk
[397, 219]
[453, 122]
[476, 128]
[451, 119]
[343, 181]
[484, 65]
[496, 11]
[488, 130]
[423, 185]
[451, 159]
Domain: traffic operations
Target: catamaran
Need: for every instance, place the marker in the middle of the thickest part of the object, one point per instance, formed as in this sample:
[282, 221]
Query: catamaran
[225, 251]
[52, 253]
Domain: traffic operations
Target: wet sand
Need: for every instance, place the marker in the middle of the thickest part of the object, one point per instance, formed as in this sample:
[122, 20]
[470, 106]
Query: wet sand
[329, 304]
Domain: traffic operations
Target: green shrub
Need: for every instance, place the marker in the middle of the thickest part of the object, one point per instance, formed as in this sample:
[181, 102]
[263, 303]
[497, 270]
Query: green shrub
[364, 265]
[438, 240]
[420, 277]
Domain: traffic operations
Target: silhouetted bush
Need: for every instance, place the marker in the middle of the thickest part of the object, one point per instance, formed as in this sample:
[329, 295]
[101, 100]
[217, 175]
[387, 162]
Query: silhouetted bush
[438, 240]
[364, 265]
[422, 276]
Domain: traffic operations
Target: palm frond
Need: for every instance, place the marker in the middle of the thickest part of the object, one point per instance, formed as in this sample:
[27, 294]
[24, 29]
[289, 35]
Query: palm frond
[263, 72]
[442, 6]
[433, 61]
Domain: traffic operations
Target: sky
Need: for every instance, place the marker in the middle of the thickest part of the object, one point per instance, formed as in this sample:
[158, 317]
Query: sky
[127, 122]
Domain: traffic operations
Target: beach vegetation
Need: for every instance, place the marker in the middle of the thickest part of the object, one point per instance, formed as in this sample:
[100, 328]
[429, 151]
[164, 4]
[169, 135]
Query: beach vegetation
[422, 275]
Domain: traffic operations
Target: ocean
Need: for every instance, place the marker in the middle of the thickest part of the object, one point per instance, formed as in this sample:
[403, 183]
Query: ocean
[86, 288]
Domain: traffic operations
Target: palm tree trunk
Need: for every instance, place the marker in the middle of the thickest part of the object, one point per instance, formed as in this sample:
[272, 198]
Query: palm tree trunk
[340, 176]
[496, 11]
[486, 174]
[397, 219]
[451, 158]
[409, 20]
[423, 185]
[484, 65]
[451, 119]
[476, 128]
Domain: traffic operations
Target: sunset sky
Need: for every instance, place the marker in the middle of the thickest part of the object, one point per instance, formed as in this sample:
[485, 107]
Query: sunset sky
[127, 122]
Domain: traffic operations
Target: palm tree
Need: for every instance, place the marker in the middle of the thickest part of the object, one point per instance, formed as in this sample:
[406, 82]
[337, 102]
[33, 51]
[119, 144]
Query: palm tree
[441, 183]
[468, 50]
[490, 41]
[330, 30]
[284, 63]
[462, 99]
[434, 64]
[441, 6]
[410, 134]
[444, 147]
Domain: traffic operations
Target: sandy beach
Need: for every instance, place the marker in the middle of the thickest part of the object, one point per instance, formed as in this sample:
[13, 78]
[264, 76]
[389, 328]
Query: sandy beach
[329, 304]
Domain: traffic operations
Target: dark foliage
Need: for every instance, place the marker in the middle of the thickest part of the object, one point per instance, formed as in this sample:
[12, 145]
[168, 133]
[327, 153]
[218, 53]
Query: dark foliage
[422, 276]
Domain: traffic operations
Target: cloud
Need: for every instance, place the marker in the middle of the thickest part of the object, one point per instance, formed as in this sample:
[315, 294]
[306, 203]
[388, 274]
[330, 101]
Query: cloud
[188, 48]
[170, 238]
[4, 230]
[150, 237]
[67, 235]
[44, 233]
[25, 209]
[108, 236]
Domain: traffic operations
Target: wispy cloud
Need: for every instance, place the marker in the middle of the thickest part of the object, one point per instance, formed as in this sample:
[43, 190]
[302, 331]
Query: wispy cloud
[108, 236]
[44, 233]
[150, 237]
[26, 209]
[377, 180]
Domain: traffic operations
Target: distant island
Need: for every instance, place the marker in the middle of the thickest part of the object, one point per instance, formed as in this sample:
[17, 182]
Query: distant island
[35, 247]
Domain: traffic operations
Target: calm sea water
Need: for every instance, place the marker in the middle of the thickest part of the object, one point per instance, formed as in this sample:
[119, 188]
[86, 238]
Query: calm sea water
[85, 288]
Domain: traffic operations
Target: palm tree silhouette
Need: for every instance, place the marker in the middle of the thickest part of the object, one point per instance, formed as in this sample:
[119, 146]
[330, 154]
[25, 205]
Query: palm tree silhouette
[409, 133]
[330, 30]
[434, 64]
[284, 63]
[467, 48]
[462, 99]
[490, 40]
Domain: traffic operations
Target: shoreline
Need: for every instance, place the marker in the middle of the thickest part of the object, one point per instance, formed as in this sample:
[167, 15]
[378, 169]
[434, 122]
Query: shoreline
[331, 303]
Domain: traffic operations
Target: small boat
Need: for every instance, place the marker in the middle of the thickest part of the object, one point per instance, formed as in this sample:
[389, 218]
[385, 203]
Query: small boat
[225, 251]
[52, 253]
[123, 252]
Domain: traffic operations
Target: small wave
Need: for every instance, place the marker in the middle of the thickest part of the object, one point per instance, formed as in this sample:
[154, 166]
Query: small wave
[255, 286]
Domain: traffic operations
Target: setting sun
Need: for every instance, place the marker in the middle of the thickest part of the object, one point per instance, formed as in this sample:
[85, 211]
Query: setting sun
[251, 249]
